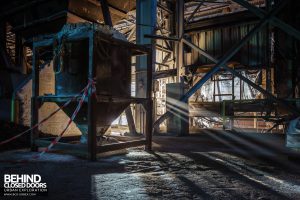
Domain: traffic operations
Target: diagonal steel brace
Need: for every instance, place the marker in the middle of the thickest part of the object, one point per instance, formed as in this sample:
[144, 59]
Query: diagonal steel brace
[222, 62]
[274, 20]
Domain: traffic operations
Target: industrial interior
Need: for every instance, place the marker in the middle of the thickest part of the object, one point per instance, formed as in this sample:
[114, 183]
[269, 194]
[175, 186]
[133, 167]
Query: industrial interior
[152, 99]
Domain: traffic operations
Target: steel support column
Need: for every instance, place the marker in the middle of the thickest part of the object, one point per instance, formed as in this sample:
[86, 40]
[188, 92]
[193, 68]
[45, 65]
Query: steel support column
[34, 102]
[92, 103]
[20, 54]
[145, 24]
[268, 50]
[149, 104]
[179, 33]
[179, 122]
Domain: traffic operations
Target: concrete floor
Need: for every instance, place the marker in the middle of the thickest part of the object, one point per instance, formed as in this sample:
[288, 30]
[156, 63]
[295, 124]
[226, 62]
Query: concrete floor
[208, 165]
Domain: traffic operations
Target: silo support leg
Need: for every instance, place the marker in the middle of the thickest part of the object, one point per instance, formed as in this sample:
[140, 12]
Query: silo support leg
[130, 121]
[149, 125]
[92, 140]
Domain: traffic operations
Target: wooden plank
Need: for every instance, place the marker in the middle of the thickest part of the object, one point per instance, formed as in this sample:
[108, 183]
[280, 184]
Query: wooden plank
[65, 147]
[164, 73]
[130, 120]
[149, 104]
[121, 145]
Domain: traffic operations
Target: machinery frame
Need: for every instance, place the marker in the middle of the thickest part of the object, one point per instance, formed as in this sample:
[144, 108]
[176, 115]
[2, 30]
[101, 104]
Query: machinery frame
[91, 149]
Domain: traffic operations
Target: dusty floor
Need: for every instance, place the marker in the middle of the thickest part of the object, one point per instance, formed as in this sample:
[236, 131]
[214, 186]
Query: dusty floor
[210, 165]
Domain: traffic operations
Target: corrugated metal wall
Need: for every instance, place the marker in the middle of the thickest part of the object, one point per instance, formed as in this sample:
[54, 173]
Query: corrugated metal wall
[219, 40]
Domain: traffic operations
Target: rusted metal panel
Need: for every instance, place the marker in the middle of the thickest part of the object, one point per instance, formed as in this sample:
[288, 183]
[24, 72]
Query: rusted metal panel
[71, 67]
[112, 65]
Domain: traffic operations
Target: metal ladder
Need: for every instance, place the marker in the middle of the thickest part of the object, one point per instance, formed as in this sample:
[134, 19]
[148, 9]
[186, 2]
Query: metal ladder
[217, 93]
